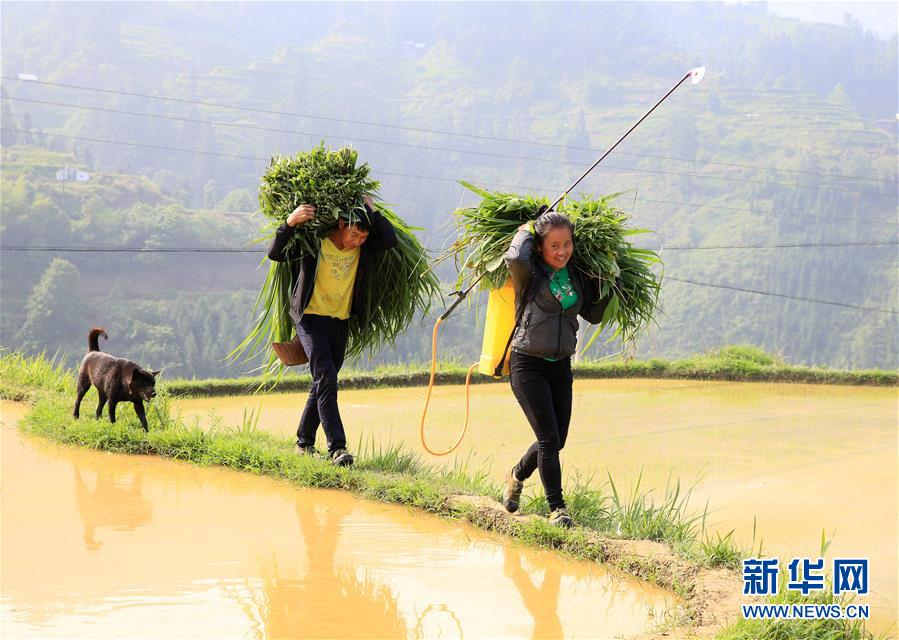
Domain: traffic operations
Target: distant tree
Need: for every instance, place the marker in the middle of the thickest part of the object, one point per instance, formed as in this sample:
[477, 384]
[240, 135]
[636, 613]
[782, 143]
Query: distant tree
[8, 137]
[839, 96]
[27, 126]
[47, 221]
[577, 137]
[17, 198]
[210, 194]
[238, 200]
[300, 83]
[55, 312]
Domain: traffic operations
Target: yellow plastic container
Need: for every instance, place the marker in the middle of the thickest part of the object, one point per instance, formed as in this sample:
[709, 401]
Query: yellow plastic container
[497, 328]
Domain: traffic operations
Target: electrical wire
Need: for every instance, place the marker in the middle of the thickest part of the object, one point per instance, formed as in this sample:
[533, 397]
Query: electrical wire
[781, 295]
[412, 175]
[73, 249]
[227, 251]
[794, 245]
[422, 129]
[614, 168]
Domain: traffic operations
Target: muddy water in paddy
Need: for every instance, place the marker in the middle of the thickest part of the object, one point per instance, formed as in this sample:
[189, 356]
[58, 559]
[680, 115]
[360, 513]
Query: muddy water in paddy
[103, 545]
[801, 458]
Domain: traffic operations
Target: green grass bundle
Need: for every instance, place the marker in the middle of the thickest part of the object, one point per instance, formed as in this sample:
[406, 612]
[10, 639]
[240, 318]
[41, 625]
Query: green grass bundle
[400, 286]
[601, 252]
[328, 180]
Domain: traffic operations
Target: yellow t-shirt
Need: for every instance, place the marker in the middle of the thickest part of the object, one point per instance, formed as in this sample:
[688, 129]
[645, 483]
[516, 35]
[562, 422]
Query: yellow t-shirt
[334, 279]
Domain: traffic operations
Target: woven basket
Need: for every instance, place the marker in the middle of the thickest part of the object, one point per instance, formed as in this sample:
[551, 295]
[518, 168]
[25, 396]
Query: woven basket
[290, 353]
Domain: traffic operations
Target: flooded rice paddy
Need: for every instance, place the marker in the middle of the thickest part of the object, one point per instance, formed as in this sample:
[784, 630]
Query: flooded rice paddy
[101, 545]
[797, 458]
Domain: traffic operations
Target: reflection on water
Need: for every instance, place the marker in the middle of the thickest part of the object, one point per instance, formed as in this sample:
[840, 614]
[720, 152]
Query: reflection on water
[135, 546]
[541, 602]
[437, 621]
[793, 458]
[94, 504]
[328, 599]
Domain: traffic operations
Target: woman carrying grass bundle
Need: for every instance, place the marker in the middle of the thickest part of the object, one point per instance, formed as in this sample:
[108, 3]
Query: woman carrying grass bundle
[548, 298]
[329, 289]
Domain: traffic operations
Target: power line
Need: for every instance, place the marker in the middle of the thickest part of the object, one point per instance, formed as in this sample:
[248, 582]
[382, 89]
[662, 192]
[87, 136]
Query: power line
[60, 249]
[780, 246]
[700, 205]
[463, 135]
[491, 154]
[73, 249]
[780, 295]
[138, 144]
[441, 132]
[231, 251]
[438, 179]
[251, 127]
[419, 176]
[234, 156]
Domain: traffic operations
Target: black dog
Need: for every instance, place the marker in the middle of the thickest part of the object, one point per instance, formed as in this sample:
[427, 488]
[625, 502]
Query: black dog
[117, 380]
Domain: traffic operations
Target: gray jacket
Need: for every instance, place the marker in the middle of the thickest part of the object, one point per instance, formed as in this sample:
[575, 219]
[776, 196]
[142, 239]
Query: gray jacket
[545, 330]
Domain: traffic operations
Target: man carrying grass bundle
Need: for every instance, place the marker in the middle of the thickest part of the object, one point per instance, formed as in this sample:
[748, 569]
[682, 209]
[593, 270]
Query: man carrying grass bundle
[329, 289]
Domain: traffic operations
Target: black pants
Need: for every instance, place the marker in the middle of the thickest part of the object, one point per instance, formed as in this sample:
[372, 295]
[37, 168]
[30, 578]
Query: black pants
[543, 390]
[324, 340]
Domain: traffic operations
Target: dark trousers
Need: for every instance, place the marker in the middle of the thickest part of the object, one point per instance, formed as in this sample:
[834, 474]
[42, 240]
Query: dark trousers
[543, 389]
[324, 340]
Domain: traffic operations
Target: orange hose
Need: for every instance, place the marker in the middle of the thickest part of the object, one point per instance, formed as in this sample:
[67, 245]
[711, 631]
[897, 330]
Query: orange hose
[431, 388]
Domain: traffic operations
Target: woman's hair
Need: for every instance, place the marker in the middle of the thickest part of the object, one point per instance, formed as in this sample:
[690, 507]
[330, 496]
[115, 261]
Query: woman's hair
[550, 220]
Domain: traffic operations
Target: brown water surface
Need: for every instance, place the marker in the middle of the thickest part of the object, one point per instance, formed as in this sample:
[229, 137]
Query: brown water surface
[103, 545]
[798, 458]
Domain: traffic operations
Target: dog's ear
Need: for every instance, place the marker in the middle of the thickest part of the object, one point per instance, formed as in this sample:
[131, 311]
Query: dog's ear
[156, 373]
[128, 375]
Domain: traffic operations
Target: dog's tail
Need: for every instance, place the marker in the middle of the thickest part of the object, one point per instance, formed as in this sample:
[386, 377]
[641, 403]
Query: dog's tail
[93, 342]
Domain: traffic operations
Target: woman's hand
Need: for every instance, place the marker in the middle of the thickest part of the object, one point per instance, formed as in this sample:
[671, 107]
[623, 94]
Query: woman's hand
[526, 227]
[369, 202]
[301, 214]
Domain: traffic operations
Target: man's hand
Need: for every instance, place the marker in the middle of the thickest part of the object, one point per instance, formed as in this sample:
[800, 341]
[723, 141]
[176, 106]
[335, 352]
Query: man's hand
[369, 202]
[300, 215]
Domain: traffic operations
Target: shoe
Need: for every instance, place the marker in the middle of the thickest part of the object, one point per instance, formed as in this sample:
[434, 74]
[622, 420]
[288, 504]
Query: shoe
[342, 458]
[305, 450]
[560, 518]
[512, 493]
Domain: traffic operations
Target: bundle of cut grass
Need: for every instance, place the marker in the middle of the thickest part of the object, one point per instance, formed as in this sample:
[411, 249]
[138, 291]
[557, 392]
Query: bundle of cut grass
[401, 286]
[601, 252]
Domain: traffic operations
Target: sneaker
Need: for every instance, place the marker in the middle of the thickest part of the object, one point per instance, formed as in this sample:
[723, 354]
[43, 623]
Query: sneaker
[560, 518]
[304, 450]
[342, 458]
[512, 493]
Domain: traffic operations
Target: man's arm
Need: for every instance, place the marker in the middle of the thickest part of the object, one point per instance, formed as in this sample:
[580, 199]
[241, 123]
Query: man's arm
[282, 236]
[285, 232]
[382, 236]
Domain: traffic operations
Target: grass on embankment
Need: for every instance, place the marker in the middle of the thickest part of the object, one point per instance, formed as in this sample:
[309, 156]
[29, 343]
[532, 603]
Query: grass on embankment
[390, 474]
[739, 363]
[21, 377]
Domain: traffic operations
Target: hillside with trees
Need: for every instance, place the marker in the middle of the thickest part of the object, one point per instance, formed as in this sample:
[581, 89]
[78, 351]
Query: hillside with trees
[174, 111]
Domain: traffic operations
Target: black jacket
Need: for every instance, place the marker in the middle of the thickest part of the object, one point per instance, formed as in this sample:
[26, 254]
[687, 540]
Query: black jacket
[545, 330]
[381, 237]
